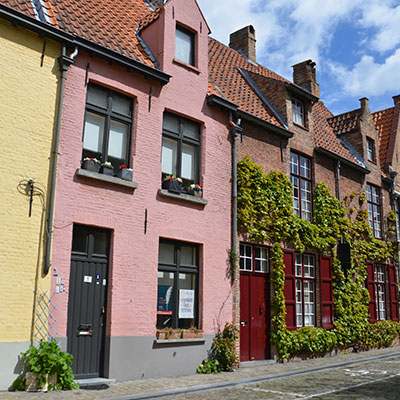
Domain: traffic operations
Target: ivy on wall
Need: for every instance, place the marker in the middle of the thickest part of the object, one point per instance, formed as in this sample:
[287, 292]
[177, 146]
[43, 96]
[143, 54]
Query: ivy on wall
[265, 214]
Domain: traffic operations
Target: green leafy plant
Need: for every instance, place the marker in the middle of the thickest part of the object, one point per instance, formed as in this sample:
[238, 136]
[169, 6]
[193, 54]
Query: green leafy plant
[208, 367]
[265, 214]
[48, 359]
[223, 347]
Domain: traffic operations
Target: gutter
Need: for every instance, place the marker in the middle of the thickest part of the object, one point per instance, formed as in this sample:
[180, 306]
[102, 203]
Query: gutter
[64, 63]
[301, 92]
[342, 160]
[44, 29]
[265, 124]
[214, 100]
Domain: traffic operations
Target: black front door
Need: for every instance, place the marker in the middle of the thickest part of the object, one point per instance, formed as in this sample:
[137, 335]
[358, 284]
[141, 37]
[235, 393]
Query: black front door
[87, 300]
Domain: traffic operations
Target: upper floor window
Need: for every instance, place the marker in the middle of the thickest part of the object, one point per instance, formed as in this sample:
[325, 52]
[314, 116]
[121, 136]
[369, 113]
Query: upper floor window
[178, 272]
[253, 258]
[107, 130]
[374, 210]
[180, 148]
[371, 150]
[298, 112]
[300, 176]
[184, 45]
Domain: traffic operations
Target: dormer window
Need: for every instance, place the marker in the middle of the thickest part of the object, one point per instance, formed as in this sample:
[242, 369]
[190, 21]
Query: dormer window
[298, 112]
[371, 150]
[184, 45]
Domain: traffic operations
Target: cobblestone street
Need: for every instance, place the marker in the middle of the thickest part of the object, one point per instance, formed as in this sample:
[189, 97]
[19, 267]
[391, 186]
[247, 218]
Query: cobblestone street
[368, 375]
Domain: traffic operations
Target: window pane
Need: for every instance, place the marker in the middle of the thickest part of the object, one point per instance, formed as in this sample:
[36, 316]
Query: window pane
[183, 46]
[117, 140]
[305, 168]
[187, 295]
[188, 255]
[298, 265]
[94, 132]
[97, 97]
[121, 105]
[188, 162]
[166, 253]
[294, 160]
[246, 257]
[165, 299]
[191, 129]
[169, 152]
[171, 123]
[79, 239]
[100, 243]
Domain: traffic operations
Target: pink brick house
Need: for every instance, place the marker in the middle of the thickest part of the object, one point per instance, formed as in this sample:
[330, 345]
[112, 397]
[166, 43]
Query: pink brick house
[131, 256]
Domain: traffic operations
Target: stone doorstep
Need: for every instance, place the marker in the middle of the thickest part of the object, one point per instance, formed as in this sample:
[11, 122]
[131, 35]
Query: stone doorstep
[256, 363]
[94, 382]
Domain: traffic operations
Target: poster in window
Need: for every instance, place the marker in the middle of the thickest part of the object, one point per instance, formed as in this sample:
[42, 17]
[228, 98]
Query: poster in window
[186, 303]
[164, 301]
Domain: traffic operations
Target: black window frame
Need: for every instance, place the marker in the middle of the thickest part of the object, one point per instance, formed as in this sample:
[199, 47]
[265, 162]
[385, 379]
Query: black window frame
[108, 115]
[301, 178]
[192, 37]
[182, 139]
[371, 153]
[374, 206]
[176, 268]
[302, 278]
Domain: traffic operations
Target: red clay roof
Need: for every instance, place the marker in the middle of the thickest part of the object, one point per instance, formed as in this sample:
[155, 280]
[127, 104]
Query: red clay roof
[344, 123]
[384, 121]
[22, 6]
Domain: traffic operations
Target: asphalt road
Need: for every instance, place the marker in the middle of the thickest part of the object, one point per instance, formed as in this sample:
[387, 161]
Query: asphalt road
[378, 379]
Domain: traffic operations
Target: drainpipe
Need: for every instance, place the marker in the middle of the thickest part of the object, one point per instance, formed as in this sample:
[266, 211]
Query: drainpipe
[64, 62]
[338, 179]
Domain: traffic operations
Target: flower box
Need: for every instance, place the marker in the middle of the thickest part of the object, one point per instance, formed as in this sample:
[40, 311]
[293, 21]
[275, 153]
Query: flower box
[91, 165]
[165, 334]
[124, 173]
[195, 193]
[192, 333]
[172, 185]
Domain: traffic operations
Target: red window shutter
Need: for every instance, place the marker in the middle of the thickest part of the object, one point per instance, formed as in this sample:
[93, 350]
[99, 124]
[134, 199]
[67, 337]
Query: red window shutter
[394, 301]
[371, 290]
[325, 263]
[290, 289]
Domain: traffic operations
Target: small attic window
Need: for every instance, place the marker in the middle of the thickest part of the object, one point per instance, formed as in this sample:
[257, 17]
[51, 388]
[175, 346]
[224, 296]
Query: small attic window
[184, 45]
[298, 112]
[371, 150]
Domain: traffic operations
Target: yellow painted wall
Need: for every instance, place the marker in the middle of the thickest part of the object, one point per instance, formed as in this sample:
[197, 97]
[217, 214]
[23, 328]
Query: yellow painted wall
[28, 96]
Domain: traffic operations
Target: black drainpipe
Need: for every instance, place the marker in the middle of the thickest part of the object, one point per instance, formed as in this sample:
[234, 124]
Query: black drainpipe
[64, 62]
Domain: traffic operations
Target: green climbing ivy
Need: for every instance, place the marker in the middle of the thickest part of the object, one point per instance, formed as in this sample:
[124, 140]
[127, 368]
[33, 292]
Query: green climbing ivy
[265, 214]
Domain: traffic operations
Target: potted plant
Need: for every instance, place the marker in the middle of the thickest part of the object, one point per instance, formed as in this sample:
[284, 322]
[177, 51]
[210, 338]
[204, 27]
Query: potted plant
[195, 190]
[107, 168]
[47, 368]
[191, 333]
[124, 172]
[172, 184]
[91, 164]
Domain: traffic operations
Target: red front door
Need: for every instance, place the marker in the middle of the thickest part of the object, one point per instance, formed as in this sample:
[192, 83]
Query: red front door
[254, 303]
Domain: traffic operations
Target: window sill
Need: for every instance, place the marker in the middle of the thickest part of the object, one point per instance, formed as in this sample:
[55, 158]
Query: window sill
[187, 66]
[179, 341]
[106, 178]
[182, 196]
[301, 126]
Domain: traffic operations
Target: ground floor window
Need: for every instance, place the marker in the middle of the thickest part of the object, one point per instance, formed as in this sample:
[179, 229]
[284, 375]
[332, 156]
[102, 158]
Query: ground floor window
[177, 298]
[305, 290]
[380, 295]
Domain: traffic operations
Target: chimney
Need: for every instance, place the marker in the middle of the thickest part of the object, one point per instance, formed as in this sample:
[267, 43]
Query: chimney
[304, 75]
[364, 104]
[244, 40]
[396, 99]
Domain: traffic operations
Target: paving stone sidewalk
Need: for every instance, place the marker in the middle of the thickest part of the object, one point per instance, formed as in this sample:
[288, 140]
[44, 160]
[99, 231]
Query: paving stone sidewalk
[248, 372]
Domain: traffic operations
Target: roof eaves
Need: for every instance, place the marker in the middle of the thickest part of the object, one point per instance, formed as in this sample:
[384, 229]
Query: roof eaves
[301, 92]
[265, 124]
[42, 28]
[213, 99]
[335, 156]
[263, 97]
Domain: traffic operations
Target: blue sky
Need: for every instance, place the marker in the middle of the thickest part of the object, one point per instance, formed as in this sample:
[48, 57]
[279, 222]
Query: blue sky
[355, 43]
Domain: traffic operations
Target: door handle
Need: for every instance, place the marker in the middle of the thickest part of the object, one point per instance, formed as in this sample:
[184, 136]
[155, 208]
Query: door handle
[243, 323]
[260, 310]
[102, 311]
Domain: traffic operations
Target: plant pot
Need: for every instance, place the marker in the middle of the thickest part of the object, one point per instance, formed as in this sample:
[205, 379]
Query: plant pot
[31, 382]
[125, 173]
[107, 171]
[161, 335]
[192, 334]
[91, 166]
[195, 193]
[174, 334]
[172, 185]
